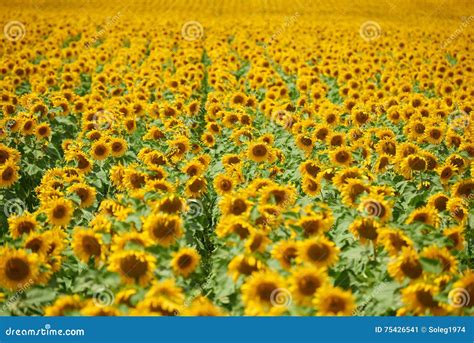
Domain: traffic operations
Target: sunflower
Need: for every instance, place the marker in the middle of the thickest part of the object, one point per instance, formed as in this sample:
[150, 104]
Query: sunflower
[224, 184]
[59, 211]
[447, 261]
[234, 205]
[319, 251]
[341, 156]
[305, 143]
[133, 266]
[86, 193]
[203, 307]
[257, 241]
[333, 301]
[366, 229]
[280, 196]
[264, 293]
[406, 265]
[158, 306]
[185, 261]
[351, 191]
[64, 305]
[463, 188]
[259, 152]
[446, 172]
[426, 215]
[305, 281]
[8, 174]
[438, 201]
[163, 229]
[97, 310]
[171, 204]
[88, 244]
[118, 146]
[38, 243]
[196, 186]
[310, 168]
[413, 163]
[457, 209]
[456, 237]
[25, 223]
[311, 186]
[244, 265]
[17, 268]
[42, 131]
[394, 240]
[419, 298]
[286, 253]
[313, 225]
[127, 240]
[100, 150]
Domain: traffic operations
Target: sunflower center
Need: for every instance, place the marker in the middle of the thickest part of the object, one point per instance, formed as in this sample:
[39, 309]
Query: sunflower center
[411, 268]
[246, 268]
[342, 156]
[59, 212]
[17, 269]
[137, 180]
[318, 252]
[313, 169]
[368, 230]
[426, 299]
[226, 185]
[308, 285]
[196, 185]
[336, 304]
[259, 150]
[117, 147]
[82, 193]
[25, 227]
[238, 207]
[265, 290]
[185, 261]
[8, 173]
[397, 242]
[417, 163]
[133, 267]
[164, 229]
[34, 245]
[91, 246]
[311, 227]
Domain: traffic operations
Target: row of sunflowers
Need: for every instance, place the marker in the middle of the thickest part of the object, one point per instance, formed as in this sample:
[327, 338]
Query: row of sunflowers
[262, 166]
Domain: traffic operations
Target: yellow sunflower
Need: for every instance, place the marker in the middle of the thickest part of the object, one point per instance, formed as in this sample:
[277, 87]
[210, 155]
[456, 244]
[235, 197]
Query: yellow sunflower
[333, 301]
[18, 268]
[133, 266]
[185, 261]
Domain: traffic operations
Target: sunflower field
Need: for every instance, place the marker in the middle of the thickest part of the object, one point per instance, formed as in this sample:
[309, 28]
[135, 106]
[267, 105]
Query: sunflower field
[215, 158]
